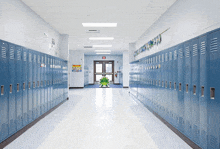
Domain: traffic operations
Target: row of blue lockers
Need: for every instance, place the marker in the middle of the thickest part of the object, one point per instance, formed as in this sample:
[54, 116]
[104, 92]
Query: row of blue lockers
[31, 83]
[182, 85]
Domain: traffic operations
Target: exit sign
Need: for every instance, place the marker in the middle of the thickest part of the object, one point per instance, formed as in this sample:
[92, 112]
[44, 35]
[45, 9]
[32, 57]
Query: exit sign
[104, 57]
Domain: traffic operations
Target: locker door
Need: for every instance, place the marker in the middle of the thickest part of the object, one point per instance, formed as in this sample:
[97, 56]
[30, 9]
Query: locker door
[204, 90]
[42, 79]
[162, 91]
[214, 87]
[66, 84]
[30, 85]
[38, 85]
[174, 86]
[180, 86]
[53, 89]
[4, 126]
[48, 81]
[166, 85]
[187, 90]
[34, 84]
[195, 90]
[24, 86]
[18, 83]
[12, 92]
[45, 83]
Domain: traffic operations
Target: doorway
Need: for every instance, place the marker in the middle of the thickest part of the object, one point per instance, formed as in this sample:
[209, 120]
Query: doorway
[103, 68]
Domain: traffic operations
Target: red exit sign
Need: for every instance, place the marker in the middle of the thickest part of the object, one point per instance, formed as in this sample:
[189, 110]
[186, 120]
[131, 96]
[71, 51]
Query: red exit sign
[104, 57]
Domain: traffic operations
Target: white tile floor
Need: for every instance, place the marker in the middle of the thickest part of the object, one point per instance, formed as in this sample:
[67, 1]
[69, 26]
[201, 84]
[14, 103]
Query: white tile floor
[97, 118]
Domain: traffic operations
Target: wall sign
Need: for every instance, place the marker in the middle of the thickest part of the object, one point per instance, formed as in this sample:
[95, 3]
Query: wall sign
[104, 57]
[76, 68]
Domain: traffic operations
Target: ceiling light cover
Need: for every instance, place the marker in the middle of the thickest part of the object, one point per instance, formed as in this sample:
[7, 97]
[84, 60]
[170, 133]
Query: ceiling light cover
[102, 46]
[102, 53]
[101, 38]
[102, 50]
[99, 24]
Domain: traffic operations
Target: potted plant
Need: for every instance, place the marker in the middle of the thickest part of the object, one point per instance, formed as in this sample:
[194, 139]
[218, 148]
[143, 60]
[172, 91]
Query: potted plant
[104, 82]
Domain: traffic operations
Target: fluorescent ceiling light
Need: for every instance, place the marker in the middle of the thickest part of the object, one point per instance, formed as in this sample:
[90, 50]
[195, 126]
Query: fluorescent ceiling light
[102, 53]
[99, 24]
[102, 50]
[101, 46]
[101, 38]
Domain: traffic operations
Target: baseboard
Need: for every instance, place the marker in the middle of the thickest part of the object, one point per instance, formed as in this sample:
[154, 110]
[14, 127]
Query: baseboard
[117, 84]
[76, 87]
[125, 87]
[92, 84]
[25, 128]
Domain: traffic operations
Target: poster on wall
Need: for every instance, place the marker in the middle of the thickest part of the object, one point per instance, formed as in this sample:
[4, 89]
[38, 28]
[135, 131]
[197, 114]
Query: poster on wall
[76, 68]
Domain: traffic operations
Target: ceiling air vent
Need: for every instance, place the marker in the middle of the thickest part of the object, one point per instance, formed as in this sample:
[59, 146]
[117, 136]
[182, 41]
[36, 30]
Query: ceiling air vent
[92, 31]
[87, 46]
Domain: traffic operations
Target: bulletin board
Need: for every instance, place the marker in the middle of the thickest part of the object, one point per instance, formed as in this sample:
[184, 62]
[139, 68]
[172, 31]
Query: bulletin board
[76, 68]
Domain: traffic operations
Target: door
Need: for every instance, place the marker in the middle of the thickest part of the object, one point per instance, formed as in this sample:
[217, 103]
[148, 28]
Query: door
[103, 68]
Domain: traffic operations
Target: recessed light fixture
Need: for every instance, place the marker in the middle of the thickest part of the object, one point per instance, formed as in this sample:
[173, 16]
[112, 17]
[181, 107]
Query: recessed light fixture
[103, 53]
[102, 50]
[99, 24]
[102, 46]
[101, 38]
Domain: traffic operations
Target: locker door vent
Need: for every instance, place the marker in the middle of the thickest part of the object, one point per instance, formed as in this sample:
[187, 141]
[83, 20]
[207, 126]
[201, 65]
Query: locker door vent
[45, 83]
[212, 93]
[162, 57]
[170, 56]
[159, 82]
[159, 58]
[33, 84]
[2, 90]
[214, 45]
[19, 55]
[38, 83]
[34, 58]
[175, 55]
[202, 91]
[187, 52]
[166, 57]
[25, 56]
[12, 53]
[180, 53]
[202, 47]
[41, 83]
[166, 84]
[38, 59]
[18, 87]
[187, 88]
[30, 58]
[3, 52]
[195, 51]
[162, 83]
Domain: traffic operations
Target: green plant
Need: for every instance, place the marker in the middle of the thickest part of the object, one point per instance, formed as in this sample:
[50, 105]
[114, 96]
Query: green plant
[104, 81]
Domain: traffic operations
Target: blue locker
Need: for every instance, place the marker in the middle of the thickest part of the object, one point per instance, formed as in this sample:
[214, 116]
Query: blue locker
[204, 90]
[187, 89]
[66, 79]
[46, 83]
[53, 86]
[19, 83]
[195, 90]
[214, 87]
[38, 85]
[12, 92]
[4, 103]
[174, 90]
[29, 85]
[42, 80]
[162, 90]
[180, 86]
[34, 83]
[25, 86]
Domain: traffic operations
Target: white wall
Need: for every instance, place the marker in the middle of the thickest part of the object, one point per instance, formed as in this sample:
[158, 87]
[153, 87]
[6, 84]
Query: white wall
[76, 79]
[186, 19]
[118, 61]
[21, 26]
[126, 69]
[132, 48]
[64, 46]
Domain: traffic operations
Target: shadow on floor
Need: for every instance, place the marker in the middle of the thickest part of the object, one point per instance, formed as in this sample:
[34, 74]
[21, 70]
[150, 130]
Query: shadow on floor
[97, 86]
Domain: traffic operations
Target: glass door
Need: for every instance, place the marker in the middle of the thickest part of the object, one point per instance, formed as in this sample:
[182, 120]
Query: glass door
[103, 68]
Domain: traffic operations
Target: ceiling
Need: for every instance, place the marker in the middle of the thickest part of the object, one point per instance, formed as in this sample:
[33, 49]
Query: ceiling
[133, 18]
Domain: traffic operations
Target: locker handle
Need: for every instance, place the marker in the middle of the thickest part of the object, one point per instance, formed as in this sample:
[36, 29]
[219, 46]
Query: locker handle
[174, 85]
[212, 93]
[18, 87]
[23, 86]
[187, 88]
[194, 89]
[179, 86]
[10, 88]
[2, 90]
[202, 91]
